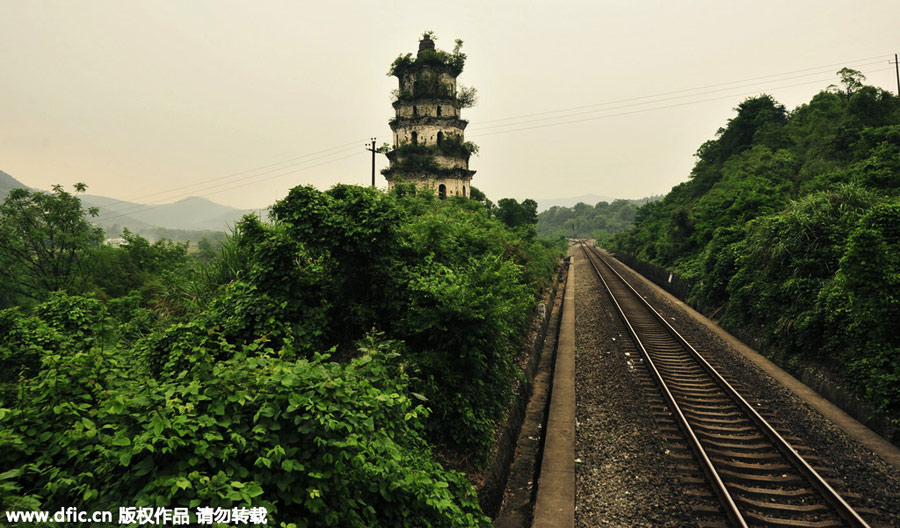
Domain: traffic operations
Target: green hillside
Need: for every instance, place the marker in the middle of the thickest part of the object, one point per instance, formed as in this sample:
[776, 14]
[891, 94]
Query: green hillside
[8, 183]
[790, 226]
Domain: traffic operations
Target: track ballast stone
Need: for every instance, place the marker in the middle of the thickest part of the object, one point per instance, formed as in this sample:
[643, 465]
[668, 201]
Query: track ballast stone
[871, 485]
[623, 475]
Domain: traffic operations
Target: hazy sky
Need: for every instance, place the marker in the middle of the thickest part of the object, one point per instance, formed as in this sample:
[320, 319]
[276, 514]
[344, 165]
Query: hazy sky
[239, 101]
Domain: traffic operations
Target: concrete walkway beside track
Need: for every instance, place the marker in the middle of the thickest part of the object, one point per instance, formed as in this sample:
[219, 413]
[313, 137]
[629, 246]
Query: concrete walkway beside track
[555, 503]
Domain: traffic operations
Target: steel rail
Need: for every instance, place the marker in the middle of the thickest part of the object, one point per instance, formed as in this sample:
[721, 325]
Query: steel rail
[826, 491]
[731, 510]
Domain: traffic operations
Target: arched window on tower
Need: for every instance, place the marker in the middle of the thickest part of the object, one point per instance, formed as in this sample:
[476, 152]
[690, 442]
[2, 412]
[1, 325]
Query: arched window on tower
[439, 110]
[464, 190]
[442, 191]
[415, 138]
[415, 111]
[440, 138]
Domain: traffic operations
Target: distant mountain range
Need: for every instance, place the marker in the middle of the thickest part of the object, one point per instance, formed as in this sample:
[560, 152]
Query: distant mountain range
[199, 214]
[190, 214]
[8, 183]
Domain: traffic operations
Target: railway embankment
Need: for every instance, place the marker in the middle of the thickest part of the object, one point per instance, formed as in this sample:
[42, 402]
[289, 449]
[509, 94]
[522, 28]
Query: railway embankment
[624, 454]
[632, 466]
[823, 379]
[817, 383]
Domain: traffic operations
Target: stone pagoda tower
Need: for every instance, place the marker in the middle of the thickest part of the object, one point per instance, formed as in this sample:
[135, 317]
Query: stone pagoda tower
[429, 148]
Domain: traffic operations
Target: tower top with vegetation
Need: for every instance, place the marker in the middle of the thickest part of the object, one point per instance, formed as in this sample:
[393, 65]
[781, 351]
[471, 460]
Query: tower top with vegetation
[429, 147]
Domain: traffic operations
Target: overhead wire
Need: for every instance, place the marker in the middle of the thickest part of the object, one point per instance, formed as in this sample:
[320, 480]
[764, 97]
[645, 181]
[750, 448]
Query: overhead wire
[727, 96]
[288, 162]
[245, 176]
[251, 176]
[218, 188]
[845, 63]
[478, 128]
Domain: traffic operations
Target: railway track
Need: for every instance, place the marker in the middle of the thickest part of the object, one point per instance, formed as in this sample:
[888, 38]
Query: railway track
[757, 477]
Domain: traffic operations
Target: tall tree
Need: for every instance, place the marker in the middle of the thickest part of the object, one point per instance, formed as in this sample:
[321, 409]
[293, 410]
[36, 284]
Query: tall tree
[851, 79]
[515, 214]
[44, 238]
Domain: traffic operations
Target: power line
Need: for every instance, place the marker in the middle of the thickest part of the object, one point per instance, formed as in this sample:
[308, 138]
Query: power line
[228, 179]
[692, 89]
[138, 208]
[294, 171]
[644, 103]
[144, 208]
[131, 208]
[642, 110]
[343, 147]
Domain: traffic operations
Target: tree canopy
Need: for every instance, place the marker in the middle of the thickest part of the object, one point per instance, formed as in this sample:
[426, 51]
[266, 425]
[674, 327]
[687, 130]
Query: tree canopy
[599, 222]
[787, 226]
[324, 364]
[44, 238]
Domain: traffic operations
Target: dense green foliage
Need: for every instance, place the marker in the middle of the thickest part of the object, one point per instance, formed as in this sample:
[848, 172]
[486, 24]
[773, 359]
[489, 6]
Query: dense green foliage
[515, 214]
[313, 367]
[599, 222]
[789, 224]
[44, 239]
[137, 265]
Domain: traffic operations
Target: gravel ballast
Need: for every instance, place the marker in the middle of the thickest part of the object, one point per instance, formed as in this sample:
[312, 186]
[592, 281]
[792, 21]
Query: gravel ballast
[622, 474]
[627, 475]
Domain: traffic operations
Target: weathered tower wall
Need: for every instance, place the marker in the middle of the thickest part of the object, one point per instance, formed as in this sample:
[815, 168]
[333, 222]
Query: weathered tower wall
[429, 147]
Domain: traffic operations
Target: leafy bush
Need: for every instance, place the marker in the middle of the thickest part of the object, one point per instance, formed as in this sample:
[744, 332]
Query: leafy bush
[454, 146]
[207, 386]
[860, 298]
[317, 443]
[461, 326]
[413, 159]
[786, 258]
[23, 340]
[131, 317]
[78, 318]
[61, 324]
[467, 96]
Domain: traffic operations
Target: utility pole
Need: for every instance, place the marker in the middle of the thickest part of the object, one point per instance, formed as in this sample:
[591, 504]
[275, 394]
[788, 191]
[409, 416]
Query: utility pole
[372, 150]
[897, 67]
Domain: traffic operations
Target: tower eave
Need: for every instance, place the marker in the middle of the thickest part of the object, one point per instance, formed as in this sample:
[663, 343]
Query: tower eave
[405, 122]
[418, 66]
[440, 174]
[427, 99]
